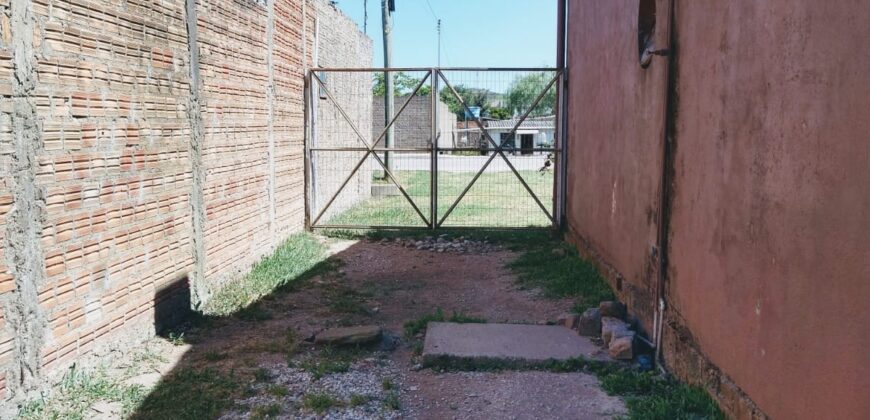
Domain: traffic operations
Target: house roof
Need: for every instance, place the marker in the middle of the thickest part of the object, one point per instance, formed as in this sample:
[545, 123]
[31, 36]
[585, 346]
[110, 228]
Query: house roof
[531, 123]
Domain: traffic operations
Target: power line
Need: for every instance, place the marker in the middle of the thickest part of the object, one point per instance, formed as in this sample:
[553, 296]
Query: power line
[435, 15]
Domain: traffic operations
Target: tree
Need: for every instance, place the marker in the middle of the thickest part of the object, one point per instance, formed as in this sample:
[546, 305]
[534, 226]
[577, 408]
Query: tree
[472, 97]
[499, 113]
[403, 84]
[525, 89]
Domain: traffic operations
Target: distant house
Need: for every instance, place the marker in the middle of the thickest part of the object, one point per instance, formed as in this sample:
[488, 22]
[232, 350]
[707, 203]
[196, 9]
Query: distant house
[535, 132]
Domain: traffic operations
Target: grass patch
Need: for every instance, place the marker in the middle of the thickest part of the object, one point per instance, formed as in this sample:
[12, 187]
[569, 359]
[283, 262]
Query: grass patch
[174, 399]
[511, 207]
[346, 300]
[320, 402]
[418, 326]
[331, 360]
[278, 391]
[357, 400]
[270, 411]
[556, 269]
[78, 391]
[648, 396]
[298, 258]
[392, 401]
[387, 384]
[262, 375]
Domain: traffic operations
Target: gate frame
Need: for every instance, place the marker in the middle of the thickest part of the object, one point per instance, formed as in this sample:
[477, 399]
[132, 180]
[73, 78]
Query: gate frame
[313, 82]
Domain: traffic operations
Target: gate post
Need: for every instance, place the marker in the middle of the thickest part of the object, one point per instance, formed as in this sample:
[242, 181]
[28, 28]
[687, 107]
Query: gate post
[433, 175]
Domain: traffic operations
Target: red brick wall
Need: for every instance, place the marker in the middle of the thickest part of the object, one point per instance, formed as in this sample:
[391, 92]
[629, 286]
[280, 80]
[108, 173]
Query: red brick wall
[115, 163]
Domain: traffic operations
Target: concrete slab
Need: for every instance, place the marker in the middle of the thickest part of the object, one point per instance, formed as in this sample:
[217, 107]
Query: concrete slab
[513, 342]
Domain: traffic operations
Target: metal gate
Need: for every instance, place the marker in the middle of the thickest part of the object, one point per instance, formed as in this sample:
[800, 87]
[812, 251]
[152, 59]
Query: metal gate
[465, 147]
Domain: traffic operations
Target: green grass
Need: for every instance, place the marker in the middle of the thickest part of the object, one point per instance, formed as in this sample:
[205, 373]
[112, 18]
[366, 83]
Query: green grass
[561, 274]
[320, 402]
[331, 360]
[78, 391]
[357, 400]
[387, 384]
[191, 394]
[417, 326]
[392, 401]
[270, 411]
[496, 200]
[299, 257]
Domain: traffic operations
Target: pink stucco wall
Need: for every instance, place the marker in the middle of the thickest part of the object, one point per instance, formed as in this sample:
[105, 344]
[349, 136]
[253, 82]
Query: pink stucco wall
[769, 258]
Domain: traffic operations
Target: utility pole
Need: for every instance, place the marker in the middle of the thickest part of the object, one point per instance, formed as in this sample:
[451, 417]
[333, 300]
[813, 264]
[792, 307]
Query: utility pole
[366, 17]
[388, 7]
[439, 43]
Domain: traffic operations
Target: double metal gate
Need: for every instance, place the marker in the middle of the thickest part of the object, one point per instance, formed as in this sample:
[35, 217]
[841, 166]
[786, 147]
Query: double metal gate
[466, 147]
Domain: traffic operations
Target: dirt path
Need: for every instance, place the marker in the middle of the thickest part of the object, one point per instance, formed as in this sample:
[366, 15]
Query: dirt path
[388, 284]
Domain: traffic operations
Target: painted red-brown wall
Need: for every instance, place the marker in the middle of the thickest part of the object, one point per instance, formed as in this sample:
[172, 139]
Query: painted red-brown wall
[769, 258]
[614, 125]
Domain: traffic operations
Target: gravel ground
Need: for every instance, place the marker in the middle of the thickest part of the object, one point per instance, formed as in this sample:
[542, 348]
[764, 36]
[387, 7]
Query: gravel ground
[388, 283]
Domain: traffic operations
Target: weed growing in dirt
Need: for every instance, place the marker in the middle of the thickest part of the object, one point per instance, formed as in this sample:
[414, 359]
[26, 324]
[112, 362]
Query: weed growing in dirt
[262, 375]
[346, 300]
[78, 391]
[270, 411]
[357, 400]
[176, 339]
[387, 384]
[320, 402]
[214, 393]
[331, 360]
[299, 257]
[557, 269]
[278, 391]
[418, 326]
[392, 402]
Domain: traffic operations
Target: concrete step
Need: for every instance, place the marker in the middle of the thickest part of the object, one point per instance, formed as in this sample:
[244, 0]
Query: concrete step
[506, 342]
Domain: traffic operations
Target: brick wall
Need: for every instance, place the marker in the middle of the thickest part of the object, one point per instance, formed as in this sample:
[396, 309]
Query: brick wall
[124, 179]
[413, 127]
[339, 43]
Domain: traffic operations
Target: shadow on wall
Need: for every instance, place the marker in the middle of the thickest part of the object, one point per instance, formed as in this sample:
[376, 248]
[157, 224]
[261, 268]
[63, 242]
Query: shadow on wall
[172, 306]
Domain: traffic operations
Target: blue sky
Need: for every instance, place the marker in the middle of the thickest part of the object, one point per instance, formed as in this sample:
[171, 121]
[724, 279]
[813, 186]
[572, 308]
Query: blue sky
[475, 33]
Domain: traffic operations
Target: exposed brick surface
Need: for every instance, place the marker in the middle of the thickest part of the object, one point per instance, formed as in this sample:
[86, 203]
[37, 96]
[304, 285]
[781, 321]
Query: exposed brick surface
[114, 162]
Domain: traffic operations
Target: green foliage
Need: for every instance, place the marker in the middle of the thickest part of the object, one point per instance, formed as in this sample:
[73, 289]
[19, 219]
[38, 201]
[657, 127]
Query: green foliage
[78, 391]
[319, 402]
[403, 84]
[214, 393]
[270, 411]
[357, 400]
[387, 384]
[299, 257]
[500, 113]
[556, 269]
[525, 89]
[471, 96]
[417, 326]
[331, 360]
[392, 401]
